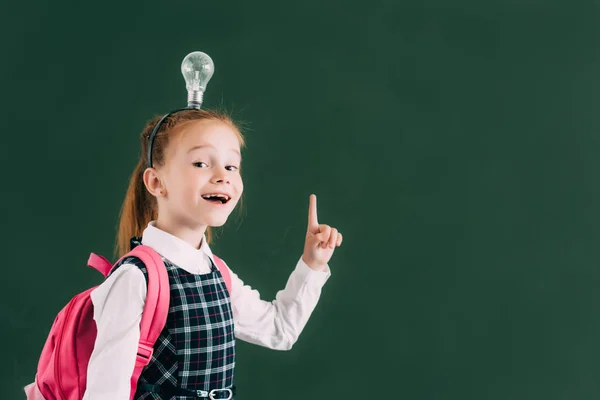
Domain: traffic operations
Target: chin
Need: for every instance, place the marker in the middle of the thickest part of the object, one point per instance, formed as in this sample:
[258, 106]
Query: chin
[216, 222]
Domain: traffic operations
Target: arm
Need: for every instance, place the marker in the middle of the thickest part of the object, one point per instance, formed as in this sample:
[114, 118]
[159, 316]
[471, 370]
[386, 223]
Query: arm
[277, 324]
[118, 305]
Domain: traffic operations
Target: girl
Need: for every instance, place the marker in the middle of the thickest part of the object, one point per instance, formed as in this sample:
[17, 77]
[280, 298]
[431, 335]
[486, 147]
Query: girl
[193, 183]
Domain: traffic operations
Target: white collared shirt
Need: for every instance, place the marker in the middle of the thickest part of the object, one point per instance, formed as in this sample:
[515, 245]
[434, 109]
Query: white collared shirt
[119, 301]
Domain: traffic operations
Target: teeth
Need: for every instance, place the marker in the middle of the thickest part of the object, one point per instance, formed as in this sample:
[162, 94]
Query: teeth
[219, 195]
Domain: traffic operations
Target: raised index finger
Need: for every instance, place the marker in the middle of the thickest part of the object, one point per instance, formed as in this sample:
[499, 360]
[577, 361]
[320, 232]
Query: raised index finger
[312, 212]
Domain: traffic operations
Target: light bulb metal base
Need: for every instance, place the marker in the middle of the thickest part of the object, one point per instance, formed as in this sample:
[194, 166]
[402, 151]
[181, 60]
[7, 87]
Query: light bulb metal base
[195, 98]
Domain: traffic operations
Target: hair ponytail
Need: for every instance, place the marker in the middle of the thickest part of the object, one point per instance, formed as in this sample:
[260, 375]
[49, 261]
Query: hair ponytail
[137, 211]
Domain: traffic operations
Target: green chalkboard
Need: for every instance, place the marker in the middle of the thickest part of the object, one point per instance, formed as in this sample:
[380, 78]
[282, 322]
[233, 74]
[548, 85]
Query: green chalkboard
[454, 144]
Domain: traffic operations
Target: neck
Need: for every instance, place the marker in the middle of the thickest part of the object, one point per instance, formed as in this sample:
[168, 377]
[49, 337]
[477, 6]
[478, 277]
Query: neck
[191, 234]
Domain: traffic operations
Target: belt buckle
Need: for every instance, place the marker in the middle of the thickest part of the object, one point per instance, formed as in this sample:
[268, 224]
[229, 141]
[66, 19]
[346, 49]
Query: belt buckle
[201, 393]
[211, 395]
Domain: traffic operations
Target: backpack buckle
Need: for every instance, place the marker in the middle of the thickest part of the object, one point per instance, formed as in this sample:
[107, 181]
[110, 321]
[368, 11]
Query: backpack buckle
[144, 355]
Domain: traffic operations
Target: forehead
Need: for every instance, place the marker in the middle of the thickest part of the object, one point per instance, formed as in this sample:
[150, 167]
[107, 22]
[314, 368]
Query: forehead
[207, 132]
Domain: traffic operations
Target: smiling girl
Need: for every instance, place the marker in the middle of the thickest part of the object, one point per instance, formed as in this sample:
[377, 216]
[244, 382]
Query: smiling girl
[192, 183]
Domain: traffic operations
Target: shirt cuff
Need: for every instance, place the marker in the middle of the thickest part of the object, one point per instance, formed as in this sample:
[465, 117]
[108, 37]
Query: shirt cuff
[312, 276]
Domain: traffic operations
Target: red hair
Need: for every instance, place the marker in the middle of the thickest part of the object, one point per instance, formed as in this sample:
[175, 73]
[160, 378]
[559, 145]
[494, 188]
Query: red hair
[139, 206]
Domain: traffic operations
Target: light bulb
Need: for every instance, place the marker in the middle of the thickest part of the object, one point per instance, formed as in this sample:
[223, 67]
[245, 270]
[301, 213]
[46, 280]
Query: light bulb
[197, 69]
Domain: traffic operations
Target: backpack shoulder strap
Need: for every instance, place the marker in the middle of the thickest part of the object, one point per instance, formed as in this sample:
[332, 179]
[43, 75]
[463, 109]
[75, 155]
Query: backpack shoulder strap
[156, 308]
[224, 272]
[100, 263]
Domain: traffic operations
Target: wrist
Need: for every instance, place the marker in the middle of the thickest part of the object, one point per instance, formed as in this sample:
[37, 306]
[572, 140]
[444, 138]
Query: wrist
[315, 266]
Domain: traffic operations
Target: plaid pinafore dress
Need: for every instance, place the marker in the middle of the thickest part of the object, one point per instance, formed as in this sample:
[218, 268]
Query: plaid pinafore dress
[196, 349]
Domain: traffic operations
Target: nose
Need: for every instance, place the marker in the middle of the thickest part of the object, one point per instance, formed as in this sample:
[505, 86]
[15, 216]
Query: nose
[220, 176]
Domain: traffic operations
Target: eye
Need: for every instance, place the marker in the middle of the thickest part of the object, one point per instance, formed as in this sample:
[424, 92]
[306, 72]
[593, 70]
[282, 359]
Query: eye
[200, 164]
[231, 168]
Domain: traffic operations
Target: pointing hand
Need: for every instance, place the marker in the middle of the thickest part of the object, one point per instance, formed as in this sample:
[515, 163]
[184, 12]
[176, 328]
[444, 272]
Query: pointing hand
[321, 240]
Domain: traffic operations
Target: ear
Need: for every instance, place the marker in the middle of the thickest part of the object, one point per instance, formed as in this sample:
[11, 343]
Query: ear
[154, 183]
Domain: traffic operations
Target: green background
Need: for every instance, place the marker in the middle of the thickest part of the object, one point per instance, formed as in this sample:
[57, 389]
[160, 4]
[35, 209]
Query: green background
[454, 144]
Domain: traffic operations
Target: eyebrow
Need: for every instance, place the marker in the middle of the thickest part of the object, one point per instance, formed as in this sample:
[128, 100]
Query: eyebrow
[207, 145]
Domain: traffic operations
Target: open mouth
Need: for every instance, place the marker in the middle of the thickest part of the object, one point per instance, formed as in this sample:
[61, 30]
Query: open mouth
[217, 198]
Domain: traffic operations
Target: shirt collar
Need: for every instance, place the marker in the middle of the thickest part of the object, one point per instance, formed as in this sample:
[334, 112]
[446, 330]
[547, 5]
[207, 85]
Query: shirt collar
[178, 251]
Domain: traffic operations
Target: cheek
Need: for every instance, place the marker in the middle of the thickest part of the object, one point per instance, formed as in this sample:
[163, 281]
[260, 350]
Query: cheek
[239, 184]
[187, 183]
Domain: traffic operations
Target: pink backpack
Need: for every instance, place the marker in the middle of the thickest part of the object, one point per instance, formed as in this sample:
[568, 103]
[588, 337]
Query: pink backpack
[62, 368]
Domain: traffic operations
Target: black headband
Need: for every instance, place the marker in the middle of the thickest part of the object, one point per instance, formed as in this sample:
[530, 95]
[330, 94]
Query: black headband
[157, 127]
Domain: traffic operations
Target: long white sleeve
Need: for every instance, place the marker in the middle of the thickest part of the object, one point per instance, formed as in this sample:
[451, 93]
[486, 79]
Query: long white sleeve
[118, 305]
[276, 324]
